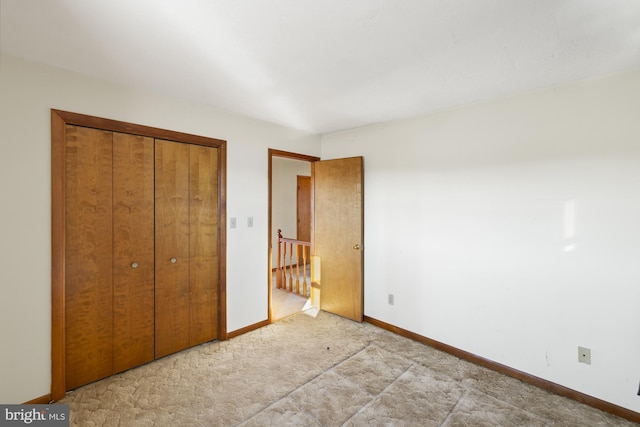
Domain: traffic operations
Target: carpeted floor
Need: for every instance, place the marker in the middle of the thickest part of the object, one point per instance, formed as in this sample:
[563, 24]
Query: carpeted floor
[323, 371]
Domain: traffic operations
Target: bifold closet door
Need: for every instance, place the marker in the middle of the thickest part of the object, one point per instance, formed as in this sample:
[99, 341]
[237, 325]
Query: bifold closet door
[133, 251]
[203, 243]
[109, 248]
[88, 256]
[172, 247]
[186, 246]
[141, 250]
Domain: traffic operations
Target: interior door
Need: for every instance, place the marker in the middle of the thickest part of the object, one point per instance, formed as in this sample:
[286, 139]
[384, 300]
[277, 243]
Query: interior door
[203, 241]
[303, 216]
[89, 251]
[338, 234]
[172, 247]
[303, 208]
[133, 251]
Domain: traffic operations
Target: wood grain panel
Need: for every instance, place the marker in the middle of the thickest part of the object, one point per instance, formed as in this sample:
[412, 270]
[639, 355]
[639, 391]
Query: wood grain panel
[303, 208]
[133, 242]
[88, 264]
[303, 215]
[172, 241]
[203, 273]
[338, 199]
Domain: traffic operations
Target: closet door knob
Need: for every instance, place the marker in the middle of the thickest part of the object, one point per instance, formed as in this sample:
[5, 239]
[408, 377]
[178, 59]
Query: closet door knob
[173, 260]
[134, 265]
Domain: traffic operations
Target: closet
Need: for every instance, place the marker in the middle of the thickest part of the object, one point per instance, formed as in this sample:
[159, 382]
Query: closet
[141, 276]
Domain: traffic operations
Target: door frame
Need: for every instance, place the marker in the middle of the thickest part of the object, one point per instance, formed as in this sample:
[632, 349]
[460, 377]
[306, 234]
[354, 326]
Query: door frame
[59, 120]
[293, 156]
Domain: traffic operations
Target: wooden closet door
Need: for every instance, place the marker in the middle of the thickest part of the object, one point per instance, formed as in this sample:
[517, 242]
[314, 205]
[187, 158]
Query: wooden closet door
[88, 256]
[203, 272]
[133, 251]
[172, 247]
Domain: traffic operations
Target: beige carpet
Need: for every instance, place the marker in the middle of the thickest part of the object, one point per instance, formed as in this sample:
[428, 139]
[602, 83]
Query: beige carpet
[323, 371]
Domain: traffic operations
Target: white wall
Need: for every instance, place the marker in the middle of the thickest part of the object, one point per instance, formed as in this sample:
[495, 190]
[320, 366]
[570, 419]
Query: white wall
[469, 220]
[27, 93]
[512, 230]
[284, 193]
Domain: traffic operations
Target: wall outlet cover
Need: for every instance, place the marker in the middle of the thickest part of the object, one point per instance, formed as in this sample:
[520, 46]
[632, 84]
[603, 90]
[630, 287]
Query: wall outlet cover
[584, 355]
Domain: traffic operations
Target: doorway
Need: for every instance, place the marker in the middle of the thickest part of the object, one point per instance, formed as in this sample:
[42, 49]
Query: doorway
[287, 212]
[336, 238]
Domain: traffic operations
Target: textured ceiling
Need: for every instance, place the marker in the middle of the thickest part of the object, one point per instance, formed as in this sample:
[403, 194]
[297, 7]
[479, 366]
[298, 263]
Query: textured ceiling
[328, 65]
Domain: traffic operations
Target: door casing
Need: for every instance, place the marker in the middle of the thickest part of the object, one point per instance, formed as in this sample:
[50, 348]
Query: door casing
[287, 155]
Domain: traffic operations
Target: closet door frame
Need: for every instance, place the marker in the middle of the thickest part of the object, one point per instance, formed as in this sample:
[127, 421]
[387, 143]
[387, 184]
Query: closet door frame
[59, 120]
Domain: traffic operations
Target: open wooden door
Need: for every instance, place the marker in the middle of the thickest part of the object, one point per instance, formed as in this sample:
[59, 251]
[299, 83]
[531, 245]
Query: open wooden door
[338, 234]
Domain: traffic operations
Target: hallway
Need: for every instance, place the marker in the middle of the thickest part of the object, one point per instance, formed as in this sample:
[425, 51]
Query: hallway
[285, 303]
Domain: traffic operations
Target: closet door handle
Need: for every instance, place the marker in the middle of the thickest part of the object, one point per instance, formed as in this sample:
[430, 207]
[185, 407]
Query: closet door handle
[134, 265]
[173, 260]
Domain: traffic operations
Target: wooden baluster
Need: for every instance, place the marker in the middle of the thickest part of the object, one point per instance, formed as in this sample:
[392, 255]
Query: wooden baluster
[279, 269]
[290, 284]
[284, 266]
[297, 271]
[304, 270]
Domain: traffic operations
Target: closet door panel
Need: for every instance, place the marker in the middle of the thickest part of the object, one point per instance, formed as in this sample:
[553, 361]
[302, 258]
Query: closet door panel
[88, 256]
[203, 213]
[172, 247]
[133, 251]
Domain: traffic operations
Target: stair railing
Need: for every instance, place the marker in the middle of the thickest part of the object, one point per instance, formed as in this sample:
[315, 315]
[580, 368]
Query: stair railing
[293, 265]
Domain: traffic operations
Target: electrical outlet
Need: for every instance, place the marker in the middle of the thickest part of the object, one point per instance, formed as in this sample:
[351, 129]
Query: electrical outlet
[584, 355]
[250, 221]
[232, 222]
[390, 299]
